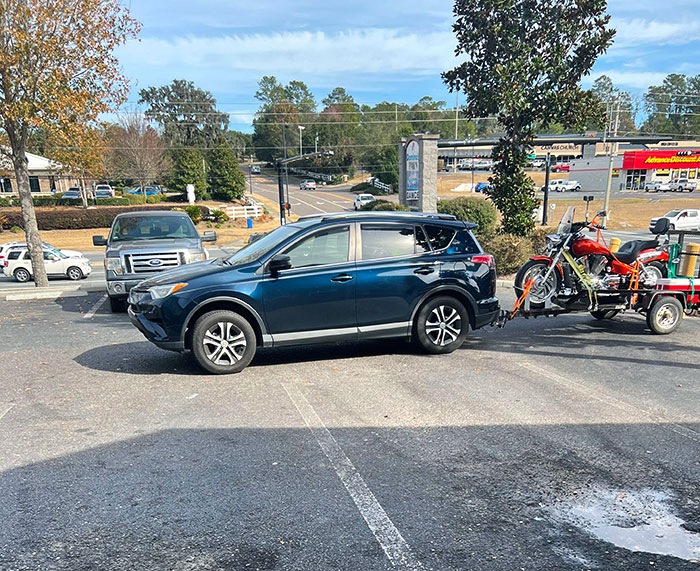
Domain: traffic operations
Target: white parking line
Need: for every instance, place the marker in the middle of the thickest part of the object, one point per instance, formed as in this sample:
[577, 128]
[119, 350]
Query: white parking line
[2, 415]
[385, 532]
[93, 310]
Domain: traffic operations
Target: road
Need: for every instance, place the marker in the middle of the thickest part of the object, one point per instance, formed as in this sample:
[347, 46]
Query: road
[554, 444]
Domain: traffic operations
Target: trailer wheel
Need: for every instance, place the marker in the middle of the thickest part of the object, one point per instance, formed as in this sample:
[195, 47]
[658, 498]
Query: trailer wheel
[665, 315]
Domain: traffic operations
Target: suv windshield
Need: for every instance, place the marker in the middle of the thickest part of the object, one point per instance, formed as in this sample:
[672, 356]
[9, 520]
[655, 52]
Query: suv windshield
[152, 228]
[259, 248]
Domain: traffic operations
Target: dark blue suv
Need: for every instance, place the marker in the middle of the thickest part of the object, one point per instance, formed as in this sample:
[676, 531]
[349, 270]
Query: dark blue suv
[322, 279]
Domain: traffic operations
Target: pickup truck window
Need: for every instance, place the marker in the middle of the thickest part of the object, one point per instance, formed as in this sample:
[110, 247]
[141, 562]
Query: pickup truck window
[152, 228]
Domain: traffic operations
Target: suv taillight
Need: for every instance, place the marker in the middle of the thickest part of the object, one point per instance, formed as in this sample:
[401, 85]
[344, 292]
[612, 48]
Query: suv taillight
[484, 259]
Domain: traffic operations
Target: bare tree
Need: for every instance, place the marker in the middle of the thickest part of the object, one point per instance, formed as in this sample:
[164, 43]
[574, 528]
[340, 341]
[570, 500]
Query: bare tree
[137, 151]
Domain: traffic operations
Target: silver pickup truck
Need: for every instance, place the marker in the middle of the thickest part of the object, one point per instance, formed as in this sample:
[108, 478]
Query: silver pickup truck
[142, 244]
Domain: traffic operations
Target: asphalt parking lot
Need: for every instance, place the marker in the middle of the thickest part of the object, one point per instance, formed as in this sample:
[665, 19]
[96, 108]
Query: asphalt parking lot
[553, 444]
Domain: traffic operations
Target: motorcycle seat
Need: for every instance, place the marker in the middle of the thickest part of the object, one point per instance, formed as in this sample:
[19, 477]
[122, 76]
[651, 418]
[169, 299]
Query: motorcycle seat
[629, 251]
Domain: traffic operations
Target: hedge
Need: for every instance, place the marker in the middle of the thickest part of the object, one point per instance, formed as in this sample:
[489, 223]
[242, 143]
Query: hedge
[79, 218]
[470, 209]
[383, 205]
[56, 200]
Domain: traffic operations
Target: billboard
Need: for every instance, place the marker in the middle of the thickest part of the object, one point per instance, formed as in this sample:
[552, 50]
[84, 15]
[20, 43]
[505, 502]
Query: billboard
[412, 171]
[646, 160]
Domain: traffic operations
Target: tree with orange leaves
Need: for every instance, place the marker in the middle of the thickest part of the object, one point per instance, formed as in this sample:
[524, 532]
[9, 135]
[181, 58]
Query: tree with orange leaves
[57, 70]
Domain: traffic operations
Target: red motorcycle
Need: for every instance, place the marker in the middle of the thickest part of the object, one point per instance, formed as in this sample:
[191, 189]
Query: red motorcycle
[578, 271]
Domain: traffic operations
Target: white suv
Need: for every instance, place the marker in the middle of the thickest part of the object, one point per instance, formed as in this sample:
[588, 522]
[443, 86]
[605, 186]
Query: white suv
[5, 249]
[308, 185]
[19, 265]
[363, 199]
[688, 219]
[562, 185]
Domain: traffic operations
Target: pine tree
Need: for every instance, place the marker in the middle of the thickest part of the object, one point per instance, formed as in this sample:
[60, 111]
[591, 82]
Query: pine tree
[225, 177]
[189, 169]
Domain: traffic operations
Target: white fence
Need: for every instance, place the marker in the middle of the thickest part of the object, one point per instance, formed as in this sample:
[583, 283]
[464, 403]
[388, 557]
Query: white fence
[381, 186]
[251, 210]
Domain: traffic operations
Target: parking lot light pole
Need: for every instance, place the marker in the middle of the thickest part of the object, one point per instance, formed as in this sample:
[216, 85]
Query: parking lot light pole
[281, 164]
[545, 204]
[301, 130]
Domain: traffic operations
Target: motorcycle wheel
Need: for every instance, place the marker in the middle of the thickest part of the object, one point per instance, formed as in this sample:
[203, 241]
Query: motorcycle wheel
[656, 269]
[604, 314]
[533, 269]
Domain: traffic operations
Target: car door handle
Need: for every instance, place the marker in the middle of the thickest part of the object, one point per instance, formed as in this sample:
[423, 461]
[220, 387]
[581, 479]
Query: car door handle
[342, 278]
[425, 270]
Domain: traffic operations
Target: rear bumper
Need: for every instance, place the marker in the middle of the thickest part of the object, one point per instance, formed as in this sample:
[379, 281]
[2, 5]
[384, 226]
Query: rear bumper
[487, 312]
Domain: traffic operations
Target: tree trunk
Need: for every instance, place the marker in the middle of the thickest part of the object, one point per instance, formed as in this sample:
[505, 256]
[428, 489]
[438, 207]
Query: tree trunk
[31, 228]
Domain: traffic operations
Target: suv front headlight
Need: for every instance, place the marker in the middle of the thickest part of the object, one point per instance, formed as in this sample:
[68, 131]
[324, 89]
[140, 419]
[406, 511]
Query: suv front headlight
[115, 265]
[158, 292]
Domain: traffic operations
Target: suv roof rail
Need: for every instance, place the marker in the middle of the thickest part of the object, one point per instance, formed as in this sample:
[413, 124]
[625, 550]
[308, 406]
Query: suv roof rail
[378, 213]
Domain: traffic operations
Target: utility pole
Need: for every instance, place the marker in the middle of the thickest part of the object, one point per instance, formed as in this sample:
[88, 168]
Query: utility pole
[454, 165]
[316, 145]
[545, 203]
[612, 158]
[396, 117]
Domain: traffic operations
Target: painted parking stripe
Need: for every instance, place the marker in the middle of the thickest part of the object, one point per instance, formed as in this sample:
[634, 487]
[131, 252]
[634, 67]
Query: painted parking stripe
[5, 410]
[385, 532]
[93, 310]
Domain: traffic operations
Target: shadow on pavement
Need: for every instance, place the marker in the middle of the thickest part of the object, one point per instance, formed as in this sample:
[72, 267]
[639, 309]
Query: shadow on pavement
[463, 497]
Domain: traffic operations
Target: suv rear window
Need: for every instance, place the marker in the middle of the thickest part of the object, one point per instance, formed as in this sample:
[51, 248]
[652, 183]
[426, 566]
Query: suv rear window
[14, 255]
[439, 236]
[392, 241]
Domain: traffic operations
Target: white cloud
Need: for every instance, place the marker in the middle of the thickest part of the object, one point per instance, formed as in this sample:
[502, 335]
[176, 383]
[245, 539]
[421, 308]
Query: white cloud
[302, 53]
[627, 79]
[640, 32]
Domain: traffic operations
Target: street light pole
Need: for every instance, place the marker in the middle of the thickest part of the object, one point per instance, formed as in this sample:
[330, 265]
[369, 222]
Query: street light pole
[611, 160]
[281, 167]
[301, 129]
[316, 145]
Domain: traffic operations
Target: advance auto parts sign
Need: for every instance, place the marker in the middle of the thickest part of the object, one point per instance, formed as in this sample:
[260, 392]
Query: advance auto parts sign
[645, 160]
[413, 171]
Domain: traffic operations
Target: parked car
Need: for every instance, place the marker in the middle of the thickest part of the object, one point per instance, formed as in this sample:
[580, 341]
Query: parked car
[561, 167]
[72, 194]
[683, 184]
[362, 200]
[5, 249]
[307, 185]
[143, 244]
[657, 186]
[101, 189]
[482, 186]
[373, 275]
[538, 164]
[19, 265]
[255, 169]
[151, 190]
[563, 186]
[688, 219]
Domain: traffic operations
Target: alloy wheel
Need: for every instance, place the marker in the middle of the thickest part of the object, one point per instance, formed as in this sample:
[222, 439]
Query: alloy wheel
[224, 343]
[444, 325]
[541, 290]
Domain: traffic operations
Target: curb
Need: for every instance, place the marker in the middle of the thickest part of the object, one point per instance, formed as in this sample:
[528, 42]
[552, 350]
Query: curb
[51, 293]
[505, 283]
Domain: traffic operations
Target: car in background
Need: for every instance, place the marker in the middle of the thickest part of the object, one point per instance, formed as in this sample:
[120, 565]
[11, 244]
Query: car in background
[375, 275]
[151, 190]
[683, 184]
[101, 189]
[72, 194]
[657, 186]
[362, 200]
[688, 219]
[142, 244]
[19, 265]
[537, 164]
[307, 185]
[255, 169]
[482, 186]
[563, 185]
[561, 167]
[5, 249]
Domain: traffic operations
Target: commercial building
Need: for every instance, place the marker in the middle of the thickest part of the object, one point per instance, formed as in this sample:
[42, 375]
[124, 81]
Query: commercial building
[641, 167]
[44, 177]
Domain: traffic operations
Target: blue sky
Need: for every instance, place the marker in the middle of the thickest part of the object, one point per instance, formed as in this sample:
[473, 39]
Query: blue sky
[378, 50]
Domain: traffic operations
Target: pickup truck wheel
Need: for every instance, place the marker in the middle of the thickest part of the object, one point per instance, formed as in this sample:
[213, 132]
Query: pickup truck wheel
[22, 275]
[665, 315]
[117, 304]
[74, 273]
[442, 325]
[223, 342]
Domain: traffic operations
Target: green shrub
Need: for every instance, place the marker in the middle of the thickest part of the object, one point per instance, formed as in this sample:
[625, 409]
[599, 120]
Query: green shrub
[15, 229]
[361, 187]
[195, 213]
[469, 209]
[219, 216]
[384, 205]
[509, 251]
[113, 202]
[9, 201]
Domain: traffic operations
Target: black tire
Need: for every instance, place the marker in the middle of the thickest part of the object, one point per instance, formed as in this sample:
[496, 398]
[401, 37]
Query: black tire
[604, 314]
[117, 304]
[578, 189]
[442, 325]
[665, 315]
[22, 275]
[525, 273]
[74, 273]
[236, 351]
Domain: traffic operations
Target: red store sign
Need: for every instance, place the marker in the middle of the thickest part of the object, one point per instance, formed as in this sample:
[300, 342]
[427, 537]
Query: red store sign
[645, 160]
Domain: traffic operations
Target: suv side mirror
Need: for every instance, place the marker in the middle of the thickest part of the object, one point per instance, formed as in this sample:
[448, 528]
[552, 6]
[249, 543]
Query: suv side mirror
[99, 241]
[209, 236]
[279, 262]
[661, 226]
